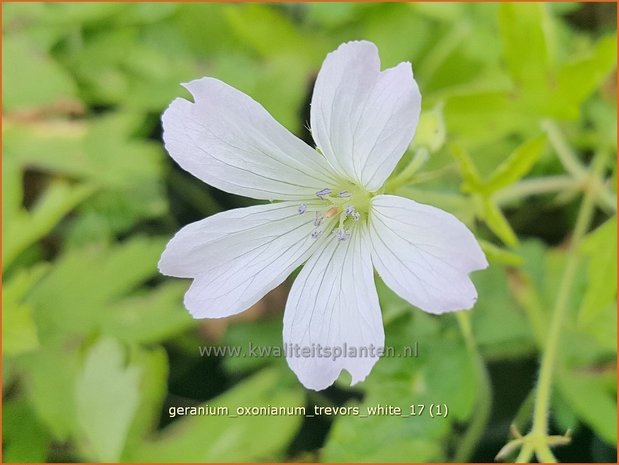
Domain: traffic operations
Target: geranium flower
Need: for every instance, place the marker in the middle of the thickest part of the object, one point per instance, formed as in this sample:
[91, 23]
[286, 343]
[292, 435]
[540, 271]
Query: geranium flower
[327, 212]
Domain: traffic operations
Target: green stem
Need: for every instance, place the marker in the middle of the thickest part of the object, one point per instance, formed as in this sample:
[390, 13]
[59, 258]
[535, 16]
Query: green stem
[605, 196]
[525, 453]
[543, 392]
[544, 454]
[419, 158]
[523, 416]
[476, 427]
[565, 153]
[556, 184]
[535, 186]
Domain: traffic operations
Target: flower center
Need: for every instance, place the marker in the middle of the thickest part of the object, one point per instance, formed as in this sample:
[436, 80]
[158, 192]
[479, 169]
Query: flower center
[348, 205]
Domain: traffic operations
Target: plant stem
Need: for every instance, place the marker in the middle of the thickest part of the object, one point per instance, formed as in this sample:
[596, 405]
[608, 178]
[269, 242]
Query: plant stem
[525, 453]
[476, 427]
[565, 153]
[534, 186]
[543, 392]
[419, 158]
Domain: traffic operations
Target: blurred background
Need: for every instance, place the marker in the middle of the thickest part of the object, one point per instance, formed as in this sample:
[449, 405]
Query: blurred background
[518, 99]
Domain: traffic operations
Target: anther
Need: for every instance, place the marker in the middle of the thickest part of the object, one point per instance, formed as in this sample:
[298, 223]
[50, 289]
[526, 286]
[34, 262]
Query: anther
[344, 194]
[318, 219]
[355, 216]
[316, 233]
[321, 194]
[302, 208]
[349, 210]
[341, 234]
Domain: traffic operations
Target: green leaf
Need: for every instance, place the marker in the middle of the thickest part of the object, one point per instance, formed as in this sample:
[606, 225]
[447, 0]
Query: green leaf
[12, 189]
[378, 439]
[270, 33]
[262, 332]
[107, 395]
[472, 179]
[49, 382]
[205, 29]
[103, 152]
[28, 227]
[387, 25]
[499, 325]
[602, 327]
[154, 76]
[285, 101]
[482, 115]
[230, 438]
[24, 439]
[72, 300]
[144, 13]
[594, 404]
[536, 287]
[516, 165]
[601, 113]
[601, 246]
[332, 15]
[68, 13]
[152, 316]
[523, 34]
[19, 332]
[153, 366]
[32, 79]
[601, 293]
[580, 77]
[497, 222]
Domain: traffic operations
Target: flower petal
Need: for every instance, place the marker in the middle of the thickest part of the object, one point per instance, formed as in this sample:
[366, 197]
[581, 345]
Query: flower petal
[363, 119]
[333, 302]
[237, 256]
[424, 254]
[231, 142]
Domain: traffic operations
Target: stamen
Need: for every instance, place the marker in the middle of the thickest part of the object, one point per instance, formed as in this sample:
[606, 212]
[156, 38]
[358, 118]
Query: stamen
[355, 216]
[302, 208]
[316, 233]
[349, 210]
[318, 219]
[344, 194]
[321, 194]
[341, 234]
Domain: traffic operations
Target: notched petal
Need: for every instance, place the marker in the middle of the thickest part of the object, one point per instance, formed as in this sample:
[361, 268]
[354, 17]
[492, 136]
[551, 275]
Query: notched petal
[333, 304]
[363, 119]
[231, 142]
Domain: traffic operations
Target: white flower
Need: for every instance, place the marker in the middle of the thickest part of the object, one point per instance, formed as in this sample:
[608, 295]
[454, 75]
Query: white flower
[330, 213]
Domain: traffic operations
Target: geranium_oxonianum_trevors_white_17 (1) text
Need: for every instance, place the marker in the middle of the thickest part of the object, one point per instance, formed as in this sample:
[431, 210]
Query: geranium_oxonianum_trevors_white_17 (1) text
[326, 212]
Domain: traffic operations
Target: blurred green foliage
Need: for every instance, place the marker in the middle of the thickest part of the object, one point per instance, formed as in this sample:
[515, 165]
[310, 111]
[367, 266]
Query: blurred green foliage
[516, 100]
